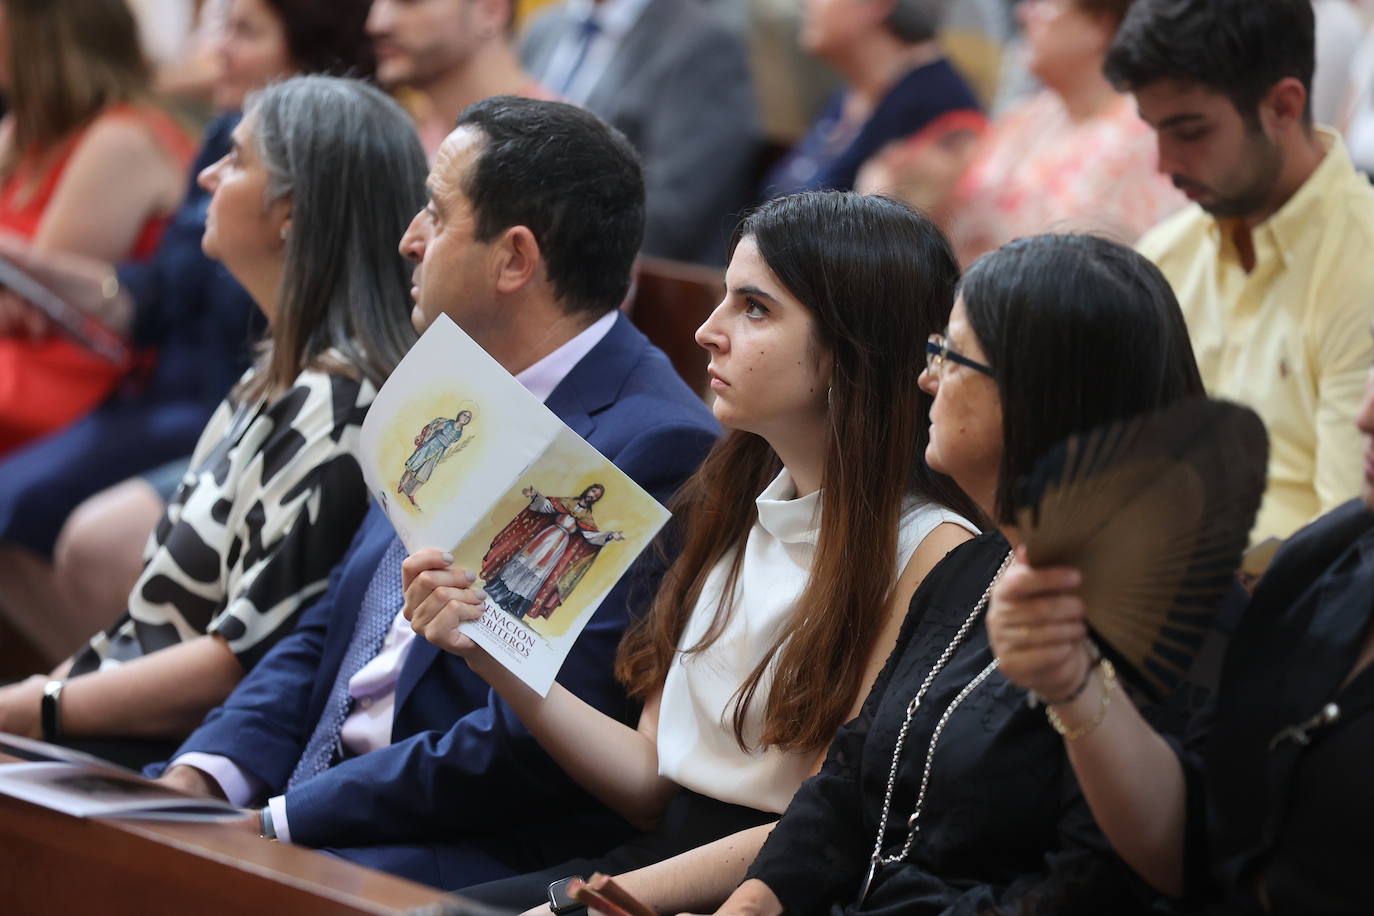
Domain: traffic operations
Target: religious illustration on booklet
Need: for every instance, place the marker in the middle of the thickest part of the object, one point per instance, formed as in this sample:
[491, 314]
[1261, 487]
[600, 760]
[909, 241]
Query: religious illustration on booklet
[433, 445]
[463, 458]
[536, 561]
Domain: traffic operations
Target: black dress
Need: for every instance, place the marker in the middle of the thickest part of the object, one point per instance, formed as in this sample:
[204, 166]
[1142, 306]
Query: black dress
[1004, 827]
[1291, 821]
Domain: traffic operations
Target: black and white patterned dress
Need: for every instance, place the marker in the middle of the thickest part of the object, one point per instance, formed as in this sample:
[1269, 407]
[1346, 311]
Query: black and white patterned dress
[271, 503]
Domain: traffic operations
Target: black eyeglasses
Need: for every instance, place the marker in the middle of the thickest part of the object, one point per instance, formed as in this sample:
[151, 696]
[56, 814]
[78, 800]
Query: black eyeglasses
[937, 351]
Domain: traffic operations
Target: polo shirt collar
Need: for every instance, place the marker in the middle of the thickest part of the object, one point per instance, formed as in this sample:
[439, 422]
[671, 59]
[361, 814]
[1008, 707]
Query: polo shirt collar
[1286, 228]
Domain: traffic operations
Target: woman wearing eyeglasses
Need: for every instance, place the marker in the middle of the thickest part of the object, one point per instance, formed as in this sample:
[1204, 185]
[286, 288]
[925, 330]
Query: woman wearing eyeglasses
[949, 794]
[1269, 809]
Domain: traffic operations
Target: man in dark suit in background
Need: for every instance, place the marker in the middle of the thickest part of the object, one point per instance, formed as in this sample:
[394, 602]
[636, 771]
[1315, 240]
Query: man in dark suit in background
[352, 734]
[677, 82]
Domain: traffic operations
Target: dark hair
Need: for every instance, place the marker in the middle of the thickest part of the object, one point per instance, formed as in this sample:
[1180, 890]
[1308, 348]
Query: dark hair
[572, 180]
[915, 21]
[1079, 331]
[878, 278]
[1240, 48]
[327, 36]
[348, 157]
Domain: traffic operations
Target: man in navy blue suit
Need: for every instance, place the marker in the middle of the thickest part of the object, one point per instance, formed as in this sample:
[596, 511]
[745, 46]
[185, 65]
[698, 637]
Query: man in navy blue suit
[355, 736]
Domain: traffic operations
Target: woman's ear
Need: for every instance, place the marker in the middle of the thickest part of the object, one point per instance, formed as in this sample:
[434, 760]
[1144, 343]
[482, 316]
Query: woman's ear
[825, 369]
[280, 211]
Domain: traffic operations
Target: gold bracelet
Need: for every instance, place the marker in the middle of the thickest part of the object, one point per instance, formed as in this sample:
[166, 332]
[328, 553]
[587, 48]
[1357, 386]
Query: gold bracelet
[1094, 661]
[1073, 734]
[109, 286]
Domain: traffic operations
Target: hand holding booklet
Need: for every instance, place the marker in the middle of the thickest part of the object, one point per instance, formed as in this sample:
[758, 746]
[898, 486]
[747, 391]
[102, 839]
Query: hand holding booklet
[462, 457]
[85, 786]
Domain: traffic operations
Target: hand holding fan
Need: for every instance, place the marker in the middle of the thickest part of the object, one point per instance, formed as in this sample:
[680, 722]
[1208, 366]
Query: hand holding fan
[1155, 512]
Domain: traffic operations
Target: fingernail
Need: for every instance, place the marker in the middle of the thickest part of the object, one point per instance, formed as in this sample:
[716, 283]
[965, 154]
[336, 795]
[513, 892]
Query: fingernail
[480, 593]
[448, 557]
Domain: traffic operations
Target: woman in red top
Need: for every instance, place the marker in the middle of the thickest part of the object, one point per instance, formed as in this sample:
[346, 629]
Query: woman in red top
[87, 165]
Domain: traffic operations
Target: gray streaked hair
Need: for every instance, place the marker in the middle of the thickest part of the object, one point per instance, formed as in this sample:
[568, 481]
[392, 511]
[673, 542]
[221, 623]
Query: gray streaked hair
[349, 159]
[916, 20]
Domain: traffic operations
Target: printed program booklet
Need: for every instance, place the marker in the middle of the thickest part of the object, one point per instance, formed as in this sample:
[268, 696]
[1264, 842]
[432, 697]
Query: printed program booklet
[85, 786]
[463, 458]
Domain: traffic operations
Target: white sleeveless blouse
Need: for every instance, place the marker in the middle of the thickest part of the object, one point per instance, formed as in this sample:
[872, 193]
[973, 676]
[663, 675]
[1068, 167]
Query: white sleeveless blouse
[696, 737]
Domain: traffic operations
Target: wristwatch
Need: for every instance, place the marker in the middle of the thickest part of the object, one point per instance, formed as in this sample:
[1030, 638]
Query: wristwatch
[265, 825]
[51, 710]
[562, 902]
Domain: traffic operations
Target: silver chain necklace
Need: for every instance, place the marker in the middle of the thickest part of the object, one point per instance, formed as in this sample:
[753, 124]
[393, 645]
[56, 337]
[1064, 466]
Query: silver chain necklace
[877, 860]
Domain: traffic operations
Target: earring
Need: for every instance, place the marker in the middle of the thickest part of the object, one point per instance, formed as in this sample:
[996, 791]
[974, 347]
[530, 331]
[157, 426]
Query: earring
[829, 397]
[284, 233]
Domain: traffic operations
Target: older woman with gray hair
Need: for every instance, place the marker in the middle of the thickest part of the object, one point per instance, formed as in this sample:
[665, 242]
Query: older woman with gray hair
[323, 177]
[899, 87]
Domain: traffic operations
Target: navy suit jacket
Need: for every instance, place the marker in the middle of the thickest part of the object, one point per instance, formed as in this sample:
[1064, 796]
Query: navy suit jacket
[464, 793]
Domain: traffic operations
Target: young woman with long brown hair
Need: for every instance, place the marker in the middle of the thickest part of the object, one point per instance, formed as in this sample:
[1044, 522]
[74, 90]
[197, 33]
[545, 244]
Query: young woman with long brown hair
[800, 541]
[950, 794]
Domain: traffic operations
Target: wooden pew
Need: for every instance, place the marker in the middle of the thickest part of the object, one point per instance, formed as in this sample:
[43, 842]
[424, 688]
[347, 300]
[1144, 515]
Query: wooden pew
[668, 302]
[53, 863]
[19, 657]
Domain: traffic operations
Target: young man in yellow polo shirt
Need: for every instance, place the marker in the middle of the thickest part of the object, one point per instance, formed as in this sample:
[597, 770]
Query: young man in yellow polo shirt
[1274, 266]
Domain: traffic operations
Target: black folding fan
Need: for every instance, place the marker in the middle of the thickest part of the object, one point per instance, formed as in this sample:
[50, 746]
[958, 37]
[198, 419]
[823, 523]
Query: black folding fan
[1155, 511]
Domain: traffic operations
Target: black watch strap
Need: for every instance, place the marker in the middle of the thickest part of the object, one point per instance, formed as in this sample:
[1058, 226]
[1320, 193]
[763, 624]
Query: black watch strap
[52, 710]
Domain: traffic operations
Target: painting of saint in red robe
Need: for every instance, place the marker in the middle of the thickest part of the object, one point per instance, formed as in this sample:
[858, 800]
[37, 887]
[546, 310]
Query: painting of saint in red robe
[537, 560]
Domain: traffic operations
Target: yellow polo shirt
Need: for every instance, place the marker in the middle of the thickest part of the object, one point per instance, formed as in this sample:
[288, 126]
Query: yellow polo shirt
[1291, 339]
